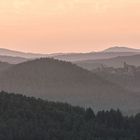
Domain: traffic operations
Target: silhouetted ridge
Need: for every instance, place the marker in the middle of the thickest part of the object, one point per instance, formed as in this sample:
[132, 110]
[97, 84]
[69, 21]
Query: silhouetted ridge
[52, 69]
[121, 49]
[15, 53]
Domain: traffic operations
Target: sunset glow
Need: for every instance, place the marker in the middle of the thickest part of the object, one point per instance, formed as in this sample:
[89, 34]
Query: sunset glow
[48, 26]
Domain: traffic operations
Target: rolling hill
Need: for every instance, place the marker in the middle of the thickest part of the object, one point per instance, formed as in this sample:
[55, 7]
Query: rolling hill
[112, 62]
[62, 81]
[128, 81]
[12, 60]
[105, 54]
[92, 56]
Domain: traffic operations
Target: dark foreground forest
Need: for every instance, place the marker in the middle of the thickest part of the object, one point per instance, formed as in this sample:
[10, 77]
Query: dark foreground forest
[27, 118]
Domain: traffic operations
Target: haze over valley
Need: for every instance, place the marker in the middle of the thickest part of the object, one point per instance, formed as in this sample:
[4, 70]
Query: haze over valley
[69, 69]
[60, 77]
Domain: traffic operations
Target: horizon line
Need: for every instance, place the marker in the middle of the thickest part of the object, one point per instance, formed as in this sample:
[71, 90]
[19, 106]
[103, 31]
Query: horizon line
[66, 52]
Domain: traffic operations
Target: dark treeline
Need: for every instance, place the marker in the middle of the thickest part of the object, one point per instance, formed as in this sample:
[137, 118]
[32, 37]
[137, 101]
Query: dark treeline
[27, 118]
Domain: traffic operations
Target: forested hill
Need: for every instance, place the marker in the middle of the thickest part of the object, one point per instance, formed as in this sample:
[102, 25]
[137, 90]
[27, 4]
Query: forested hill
[63, 81]
[27, 118]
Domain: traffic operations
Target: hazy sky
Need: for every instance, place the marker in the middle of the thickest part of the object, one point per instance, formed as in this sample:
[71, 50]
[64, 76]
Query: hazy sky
[69, 25]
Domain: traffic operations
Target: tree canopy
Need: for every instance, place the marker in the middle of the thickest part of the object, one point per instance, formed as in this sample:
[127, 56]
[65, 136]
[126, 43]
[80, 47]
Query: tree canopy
[28, 118]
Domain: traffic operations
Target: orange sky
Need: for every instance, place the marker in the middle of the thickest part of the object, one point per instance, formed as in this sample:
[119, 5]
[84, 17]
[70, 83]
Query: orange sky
[48, 26]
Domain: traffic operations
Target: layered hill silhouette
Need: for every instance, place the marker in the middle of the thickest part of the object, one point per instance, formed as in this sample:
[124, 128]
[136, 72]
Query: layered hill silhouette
[14, 53]
[111, 62]
[18, 57]
[105, 54]
[62, 81]
[93, 56]
[12, 59]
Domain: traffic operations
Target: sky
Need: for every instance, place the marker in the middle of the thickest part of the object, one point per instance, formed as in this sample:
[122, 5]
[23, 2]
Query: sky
[51, 26]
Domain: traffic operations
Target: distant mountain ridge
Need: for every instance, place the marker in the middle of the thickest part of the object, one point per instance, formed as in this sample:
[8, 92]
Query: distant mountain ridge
[105, 54]
[13, 53]
[71, 57]
[121, 49]
[92, 56]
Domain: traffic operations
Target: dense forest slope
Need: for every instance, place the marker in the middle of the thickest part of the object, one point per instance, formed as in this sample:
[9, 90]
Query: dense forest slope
[27, 118]
[62, 81]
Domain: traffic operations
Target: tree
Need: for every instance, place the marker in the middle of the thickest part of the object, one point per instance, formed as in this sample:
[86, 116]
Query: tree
[89, 114]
